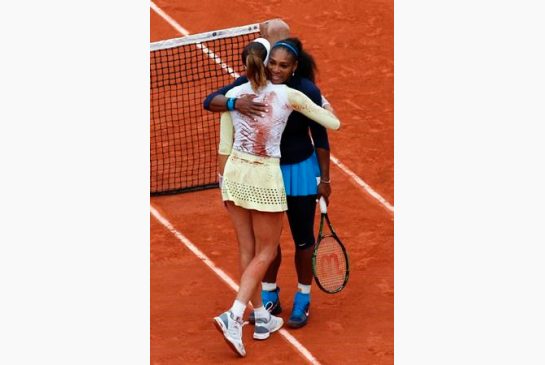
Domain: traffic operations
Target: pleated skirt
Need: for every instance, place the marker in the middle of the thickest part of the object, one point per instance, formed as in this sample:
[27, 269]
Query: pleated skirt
[300, 179]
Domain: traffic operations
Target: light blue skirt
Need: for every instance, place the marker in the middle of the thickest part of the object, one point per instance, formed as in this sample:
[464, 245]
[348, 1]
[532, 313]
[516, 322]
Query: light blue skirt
[300, 179]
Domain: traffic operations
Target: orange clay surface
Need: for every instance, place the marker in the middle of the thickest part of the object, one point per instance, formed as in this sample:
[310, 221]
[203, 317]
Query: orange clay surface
[352, 42]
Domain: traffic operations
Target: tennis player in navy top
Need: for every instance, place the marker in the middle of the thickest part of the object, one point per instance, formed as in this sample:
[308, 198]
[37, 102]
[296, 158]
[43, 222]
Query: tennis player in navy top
[252, 186]
[304, 163]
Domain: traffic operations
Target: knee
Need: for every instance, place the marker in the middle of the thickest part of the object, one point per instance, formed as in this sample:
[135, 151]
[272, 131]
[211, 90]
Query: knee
[267, 255]
[303, 237]
[246, 256]
[246, 252]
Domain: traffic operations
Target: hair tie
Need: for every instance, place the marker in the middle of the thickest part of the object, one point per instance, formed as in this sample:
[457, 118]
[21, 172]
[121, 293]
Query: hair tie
[288, 46]
[267, 46]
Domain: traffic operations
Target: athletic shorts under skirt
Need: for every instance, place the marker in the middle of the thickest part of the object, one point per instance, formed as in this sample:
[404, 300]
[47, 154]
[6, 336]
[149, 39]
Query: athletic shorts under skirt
[300, 178]
[254, 182]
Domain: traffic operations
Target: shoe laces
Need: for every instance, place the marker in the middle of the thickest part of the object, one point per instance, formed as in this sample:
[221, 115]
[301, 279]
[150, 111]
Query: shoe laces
[269, 305]
[235, 329]
[235, 325]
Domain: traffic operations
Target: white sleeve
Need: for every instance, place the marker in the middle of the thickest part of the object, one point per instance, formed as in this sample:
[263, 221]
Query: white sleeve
[226, 134]
[325, 102]
[302, 103]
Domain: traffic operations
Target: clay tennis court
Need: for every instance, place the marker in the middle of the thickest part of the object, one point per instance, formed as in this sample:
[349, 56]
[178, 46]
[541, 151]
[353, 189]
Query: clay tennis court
[352, 43]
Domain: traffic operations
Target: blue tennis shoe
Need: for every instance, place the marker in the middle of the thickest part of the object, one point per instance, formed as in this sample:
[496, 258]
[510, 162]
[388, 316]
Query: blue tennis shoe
[300, 311]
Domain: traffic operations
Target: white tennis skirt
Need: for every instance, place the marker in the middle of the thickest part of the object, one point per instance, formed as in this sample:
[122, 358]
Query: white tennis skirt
[254, 182]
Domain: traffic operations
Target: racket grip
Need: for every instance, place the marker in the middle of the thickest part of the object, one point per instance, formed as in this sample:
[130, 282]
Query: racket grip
[323, 205]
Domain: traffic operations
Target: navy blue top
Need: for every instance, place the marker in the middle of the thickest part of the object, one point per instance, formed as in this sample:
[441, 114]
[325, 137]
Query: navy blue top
[296, 144]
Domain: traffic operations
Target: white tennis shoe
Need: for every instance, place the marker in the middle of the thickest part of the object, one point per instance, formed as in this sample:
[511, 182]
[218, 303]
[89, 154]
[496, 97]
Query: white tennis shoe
[264, 328]
[231, 329]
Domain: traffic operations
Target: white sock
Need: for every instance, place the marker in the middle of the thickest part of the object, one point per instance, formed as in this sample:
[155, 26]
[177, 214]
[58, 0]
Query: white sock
[305, 289]
[261, 312]
[238, 309]
[268, 286]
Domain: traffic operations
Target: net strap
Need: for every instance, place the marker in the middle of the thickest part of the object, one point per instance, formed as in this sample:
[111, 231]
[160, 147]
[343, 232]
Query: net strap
[197, 40]
[204, 37]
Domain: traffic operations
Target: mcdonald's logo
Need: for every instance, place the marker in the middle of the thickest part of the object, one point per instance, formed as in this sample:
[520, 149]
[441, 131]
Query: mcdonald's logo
[330, 262]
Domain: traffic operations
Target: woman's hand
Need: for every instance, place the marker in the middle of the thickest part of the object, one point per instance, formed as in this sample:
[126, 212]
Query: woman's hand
[245, 105]
[324, 189]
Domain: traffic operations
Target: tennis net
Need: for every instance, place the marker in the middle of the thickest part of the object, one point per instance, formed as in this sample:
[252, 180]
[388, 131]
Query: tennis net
[183, 136]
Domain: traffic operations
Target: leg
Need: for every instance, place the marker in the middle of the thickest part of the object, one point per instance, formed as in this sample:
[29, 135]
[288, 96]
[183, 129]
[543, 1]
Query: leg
[269, 297]
[267, 228]
[303, 264]
[242, 221]
[301, 215]
[272, 271]
[301, 212]
[230, 323]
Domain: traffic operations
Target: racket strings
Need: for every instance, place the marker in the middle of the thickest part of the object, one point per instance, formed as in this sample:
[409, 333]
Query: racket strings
[331, 265]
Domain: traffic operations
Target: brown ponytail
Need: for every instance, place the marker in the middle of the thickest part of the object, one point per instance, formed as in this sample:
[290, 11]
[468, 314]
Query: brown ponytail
[255, 71]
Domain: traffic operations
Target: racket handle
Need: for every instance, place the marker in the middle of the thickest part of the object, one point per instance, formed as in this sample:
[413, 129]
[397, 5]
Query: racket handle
[323, 205]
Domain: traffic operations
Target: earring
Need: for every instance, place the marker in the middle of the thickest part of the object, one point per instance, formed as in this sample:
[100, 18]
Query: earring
[293, 73]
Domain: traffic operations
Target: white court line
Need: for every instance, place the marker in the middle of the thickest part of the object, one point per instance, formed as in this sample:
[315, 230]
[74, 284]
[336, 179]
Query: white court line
[223, 276]
[359, 181]
[169, 20]
[227, 279]
[362, 184]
